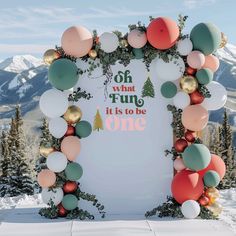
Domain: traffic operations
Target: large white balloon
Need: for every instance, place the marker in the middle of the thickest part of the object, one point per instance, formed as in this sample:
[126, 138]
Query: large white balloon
[56, 161]
[170, 71]
[56, 195]
[57, 127]
[109, 42]
[53, 103]
[218, 96]
[190, 209]
[184, 46]
[181, 100]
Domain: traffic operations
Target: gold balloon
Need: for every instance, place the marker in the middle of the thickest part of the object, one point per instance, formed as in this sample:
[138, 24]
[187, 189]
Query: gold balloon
[50, 55]
[224, 40]
[73, 114]
[212, 193]
[45, 150]
[215, 208]
[124, 43]
[188, 84]
[93, 54]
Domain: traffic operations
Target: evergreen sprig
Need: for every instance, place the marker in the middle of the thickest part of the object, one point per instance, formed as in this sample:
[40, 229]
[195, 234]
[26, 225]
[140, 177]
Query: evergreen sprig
[50, 212]
[78, 94]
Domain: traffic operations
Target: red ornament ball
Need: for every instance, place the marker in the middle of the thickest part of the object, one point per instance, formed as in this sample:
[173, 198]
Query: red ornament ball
[180, 145]
[162, 33]
[190, 71]
[196, 97]
[70, 186]
[187, 185]
[70, 131]
[204, 200]
[190, 136]
[62, 212]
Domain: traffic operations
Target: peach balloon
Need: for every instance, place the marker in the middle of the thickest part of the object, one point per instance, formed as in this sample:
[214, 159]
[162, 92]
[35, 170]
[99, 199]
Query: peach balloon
[211, 62]
[46, 178]
[195, 117]
[70, 146]
[137, 38]
[77, 41]
[196, 59]
[179, 164]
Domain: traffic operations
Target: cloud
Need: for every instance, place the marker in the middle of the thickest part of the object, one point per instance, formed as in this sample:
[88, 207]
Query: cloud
[192, 4]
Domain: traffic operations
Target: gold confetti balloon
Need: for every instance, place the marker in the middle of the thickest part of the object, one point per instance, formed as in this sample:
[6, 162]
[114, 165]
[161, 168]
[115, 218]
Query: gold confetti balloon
[50, 55]
[212, 193]
[224, 40]
[188, 84]
[215, 208]
[45, 150]
[73, 114]
[93, 54]
[124, 43]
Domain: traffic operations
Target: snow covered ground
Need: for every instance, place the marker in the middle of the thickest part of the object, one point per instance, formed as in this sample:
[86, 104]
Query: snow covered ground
[19, 216]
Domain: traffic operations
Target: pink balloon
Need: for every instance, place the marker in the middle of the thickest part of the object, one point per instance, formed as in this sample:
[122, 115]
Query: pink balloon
[196, 59]
[70, 146]
[211, 62]
[195, 117]
[77, 41]
[179, 164]
[137, 38]
[46, 178]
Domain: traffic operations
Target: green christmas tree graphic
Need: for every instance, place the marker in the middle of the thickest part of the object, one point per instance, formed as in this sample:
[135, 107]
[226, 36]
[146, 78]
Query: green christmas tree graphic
[148, 89]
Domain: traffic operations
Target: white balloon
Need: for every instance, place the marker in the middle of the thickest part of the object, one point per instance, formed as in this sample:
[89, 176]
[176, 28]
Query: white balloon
[184, 46]
[181, 100]
[53, 103]
[172, 70]
[109, 42]
[56, 195]
[56, 161]
[190, 209]
[57, 127]
[218, 96]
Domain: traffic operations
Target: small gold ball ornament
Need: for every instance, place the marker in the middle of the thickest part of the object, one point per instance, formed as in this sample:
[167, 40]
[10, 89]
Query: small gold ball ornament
[124, 43]
[50, 55]
[45, 150]
[188, 84]
[224, 40]
[73, 114]
[93, 54]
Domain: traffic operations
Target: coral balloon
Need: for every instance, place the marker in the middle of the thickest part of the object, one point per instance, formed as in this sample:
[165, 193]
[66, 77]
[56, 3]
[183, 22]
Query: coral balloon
[46, 178]
[137, 38]
[162, 33]
[179, 164]
[195, 117]
[70, 146]
[196, 97]
[190, 136]
[77, 41]
[216, 164]
[196, 59]
[211, 62]
[187, 185]
[180, 145]
[70, 186]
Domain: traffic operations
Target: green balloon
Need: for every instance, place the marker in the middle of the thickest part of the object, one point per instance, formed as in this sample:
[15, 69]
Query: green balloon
[204, 76]
[168, 89]
[138, 53]
[70, 202]
[83, 129]
[73, 171]
[196, 157]
[205, 37]
[62, 74]
[211, 178]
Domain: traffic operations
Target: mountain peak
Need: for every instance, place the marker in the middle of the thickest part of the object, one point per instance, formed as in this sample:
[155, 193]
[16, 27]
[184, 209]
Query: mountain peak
[20, 63]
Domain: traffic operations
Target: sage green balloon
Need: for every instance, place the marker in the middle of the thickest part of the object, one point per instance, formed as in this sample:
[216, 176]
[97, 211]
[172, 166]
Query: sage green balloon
[138, 53]
[206, 37]
[70, 202]
[204, 76]
[196, 157]
[83, 129]
[211, 178]
[62, 74]
[168, 89]
[73, 171]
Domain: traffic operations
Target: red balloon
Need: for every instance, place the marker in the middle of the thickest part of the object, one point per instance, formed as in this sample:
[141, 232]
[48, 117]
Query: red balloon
[187, 185]
[204, 200]
[70, 186]
[196, 97]
[62, 212]
[70, 130]
[190, 71]
[180, 145]
[216, 164]
[190, 136]
[162, 33]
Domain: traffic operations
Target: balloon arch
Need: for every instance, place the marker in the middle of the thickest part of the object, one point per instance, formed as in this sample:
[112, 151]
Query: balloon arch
[186, 64]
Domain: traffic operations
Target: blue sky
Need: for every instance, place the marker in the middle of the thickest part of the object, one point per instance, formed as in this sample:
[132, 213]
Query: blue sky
[30, 27]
